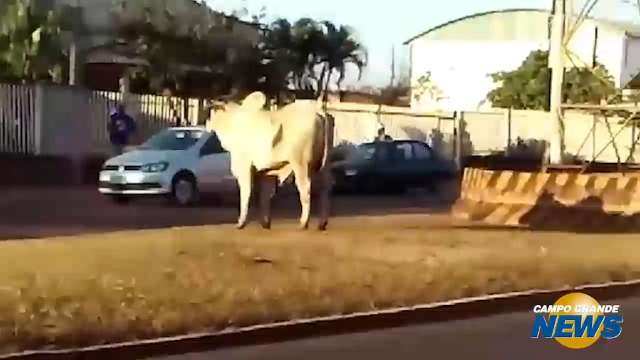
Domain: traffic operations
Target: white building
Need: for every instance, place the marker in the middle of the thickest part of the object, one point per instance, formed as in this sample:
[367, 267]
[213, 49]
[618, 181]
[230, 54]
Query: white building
[460, 55]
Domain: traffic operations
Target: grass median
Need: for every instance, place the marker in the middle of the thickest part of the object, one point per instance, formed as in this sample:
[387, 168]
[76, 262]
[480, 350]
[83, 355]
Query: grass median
[89, 290]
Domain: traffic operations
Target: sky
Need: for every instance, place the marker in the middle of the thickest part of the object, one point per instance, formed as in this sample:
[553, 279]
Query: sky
[382, 25]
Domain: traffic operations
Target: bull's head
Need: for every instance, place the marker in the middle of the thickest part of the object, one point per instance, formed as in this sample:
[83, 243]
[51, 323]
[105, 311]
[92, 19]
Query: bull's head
[231, 120]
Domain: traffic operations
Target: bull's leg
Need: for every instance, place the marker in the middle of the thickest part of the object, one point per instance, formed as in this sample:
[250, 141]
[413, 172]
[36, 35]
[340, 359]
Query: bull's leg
[325, 181]
[245, 179]
[303, 183]
[267, 190]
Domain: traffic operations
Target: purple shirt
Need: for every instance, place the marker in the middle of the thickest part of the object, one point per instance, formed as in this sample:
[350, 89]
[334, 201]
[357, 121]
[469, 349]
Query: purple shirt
[121, 126]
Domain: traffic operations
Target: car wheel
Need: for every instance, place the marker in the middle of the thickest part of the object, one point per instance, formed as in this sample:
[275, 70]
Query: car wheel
[398, 189]
[431, 186]
[120, 199]
[434, 182]
[369, 185]
[184, 191]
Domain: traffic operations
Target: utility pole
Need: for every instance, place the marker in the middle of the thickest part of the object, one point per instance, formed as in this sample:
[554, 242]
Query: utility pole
[556, 61]
[393, 66]
[76, 13]
[73, 61]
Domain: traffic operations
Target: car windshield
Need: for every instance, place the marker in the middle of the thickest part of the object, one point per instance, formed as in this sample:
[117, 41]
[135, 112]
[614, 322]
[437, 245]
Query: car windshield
[174, 140]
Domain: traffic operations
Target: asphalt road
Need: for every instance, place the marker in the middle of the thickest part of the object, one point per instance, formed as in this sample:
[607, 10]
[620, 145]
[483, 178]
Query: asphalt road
[43, 212]
[494, 337]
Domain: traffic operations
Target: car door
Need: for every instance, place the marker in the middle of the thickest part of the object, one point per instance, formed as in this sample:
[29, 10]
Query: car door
[425, 161]
[404, 166]
[214, 165]
[382, 164]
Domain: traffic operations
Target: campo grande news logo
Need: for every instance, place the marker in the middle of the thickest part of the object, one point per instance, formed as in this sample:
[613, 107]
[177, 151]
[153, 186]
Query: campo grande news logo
[577, 321]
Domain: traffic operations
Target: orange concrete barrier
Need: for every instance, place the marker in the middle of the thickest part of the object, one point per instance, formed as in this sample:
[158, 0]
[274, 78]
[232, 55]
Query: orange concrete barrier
[559, 200]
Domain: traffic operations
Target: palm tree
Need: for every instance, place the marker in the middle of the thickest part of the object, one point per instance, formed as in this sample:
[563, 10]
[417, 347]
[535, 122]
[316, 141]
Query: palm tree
[30, 43]
[339, 47]
[301, 48]
[292, 48]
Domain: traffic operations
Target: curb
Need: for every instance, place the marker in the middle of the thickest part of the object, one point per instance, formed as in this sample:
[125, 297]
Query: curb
[333, 325]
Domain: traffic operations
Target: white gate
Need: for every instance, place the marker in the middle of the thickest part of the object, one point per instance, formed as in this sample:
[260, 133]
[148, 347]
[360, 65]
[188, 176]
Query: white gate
[17, 119]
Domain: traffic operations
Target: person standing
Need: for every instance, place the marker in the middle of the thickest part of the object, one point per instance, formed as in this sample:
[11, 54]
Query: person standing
[121, 126]
[382, 135]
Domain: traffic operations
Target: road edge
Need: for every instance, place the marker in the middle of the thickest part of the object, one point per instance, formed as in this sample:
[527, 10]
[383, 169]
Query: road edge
[457, 309]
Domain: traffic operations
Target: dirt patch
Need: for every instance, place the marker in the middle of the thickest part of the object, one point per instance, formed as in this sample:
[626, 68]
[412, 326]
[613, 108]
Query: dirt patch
[134, 285]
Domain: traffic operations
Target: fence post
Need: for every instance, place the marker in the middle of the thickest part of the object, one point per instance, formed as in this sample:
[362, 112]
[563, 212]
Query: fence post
[185, 111]
[593, 138]
[507, 118]
[38, 132]
[459, 118]
[632, 150]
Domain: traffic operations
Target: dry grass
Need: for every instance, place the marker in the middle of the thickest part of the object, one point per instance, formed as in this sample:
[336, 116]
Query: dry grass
[123, 286]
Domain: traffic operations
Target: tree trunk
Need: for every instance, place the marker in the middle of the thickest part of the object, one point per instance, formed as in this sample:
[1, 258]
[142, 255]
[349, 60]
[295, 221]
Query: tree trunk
[325, 96]
[321, 85]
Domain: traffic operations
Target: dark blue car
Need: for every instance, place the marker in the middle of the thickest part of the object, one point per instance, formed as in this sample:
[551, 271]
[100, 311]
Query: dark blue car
[391, 167]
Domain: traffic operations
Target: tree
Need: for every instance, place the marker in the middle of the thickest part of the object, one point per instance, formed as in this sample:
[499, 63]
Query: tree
[424, 85]
[30, 43]
[397, 94]
[527, 87]
[290, 49]
[310, 52]
[156, 35]
[338, 49]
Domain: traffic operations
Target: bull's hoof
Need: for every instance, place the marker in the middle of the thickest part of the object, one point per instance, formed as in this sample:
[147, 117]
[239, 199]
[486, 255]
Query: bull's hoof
[266, 225]
[323, 226]
[241, 226]
[303, 227]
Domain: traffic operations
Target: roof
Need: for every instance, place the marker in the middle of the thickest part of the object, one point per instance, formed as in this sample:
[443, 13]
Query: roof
[113, 54]
[437, 27]
[188, 128]
[630, 29]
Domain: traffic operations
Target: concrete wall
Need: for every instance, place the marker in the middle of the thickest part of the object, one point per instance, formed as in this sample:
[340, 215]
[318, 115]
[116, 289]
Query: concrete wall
[62, 115]
[488, 132]
[70, 121]
[483, 133]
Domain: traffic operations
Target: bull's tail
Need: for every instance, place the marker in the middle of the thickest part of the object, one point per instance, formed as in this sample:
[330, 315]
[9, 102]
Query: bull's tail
[329, 126]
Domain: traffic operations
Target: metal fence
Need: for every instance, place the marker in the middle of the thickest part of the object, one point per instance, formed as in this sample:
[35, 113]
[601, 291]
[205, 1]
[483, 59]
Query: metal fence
[60, 107]
[53, 120]
[17, 119]
[152, 113]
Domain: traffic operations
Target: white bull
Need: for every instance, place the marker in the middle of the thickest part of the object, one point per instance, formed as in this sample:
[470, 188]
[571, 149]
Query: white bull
[295, 140]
